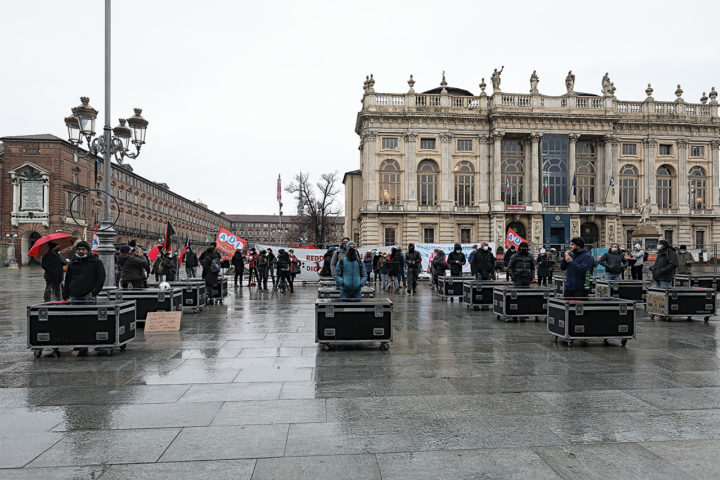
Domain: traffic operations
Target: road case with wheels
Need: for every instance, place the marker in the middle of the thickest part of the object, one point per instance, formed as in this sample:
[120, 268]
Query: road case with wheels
[147, 300]
[218, 290]
[681, 302]
[591, 318]
[103, 326]
[452, 287]
[194, 296]
[559, 285]
[511, 302]
[361, 320]
[478, 294]
[702, 281]
[626, 289]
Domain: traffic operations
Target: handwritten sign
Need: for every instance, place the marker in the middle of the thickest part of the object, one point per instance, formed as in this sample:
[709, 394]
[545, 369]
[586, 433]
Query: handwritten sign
[159, 322]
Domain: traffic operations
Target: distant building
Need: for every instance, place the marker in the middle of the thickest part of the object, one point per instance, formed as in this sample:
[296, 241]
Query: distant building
[268, 229]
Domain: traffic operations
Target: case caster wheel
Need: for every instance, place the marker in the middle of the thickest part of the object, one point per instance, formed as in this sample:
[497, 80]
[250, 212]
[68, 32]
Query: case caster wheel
[605, 341]
[476, 308]
[326, 347]
[467, 306]
[304, 283]
[109, 352]
[707, 319]
[623, 342]
[56, 352]
[37, 353]
[385, 346]
[652, 317]
[537, 319]
[570, 343]
[689, 319]
[497, 317]
[555, 339]
[452, 299]
[123, 346]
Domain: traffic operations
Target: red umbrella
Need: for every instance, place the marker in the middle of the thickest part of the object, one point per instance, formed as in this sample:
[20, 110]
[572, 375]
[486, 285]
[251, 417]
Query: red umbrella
[62, 240]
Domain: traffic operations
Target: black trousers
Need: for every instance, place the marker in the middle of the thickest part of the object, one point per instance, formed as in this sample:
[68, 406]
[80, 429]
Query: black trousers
[543, 280]
[578, 292]
[238, 274]
[637, 272]
[262, 278]
[253, 274]
[52, 291]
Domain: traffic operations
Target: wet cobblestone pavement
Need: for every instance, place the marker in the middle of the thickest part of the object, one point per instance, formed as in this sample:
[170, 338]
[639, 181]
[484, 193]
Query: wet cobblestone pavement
[243, 392]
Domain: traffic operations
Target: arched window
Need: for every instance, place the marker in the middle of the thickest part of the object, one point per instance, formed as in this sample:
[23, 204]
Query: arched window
[590, 234]
[464, 184]
[512, 157]
[389, 182]
[427, 182]
[697, 188]
[664, 186]
[628, 181]
[517, 227]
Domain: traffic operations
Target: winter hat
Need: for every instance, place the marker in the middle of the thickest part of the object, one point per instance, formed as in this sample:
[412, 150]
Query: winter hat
[84, 244]
[351, 243]
[683, 247]
[524, 245]
[578, 241]
[124, 249]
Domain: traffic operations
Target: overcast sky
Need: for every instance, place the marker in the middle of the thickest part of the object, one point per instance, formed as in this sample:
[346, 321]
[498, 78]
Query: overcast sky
[237, 92]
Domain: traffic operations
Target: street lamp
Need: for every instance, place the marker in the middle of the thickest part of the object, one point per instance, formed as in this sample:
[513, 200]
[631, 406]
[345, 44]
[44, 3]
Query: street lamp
[12, 263]
[114, 142]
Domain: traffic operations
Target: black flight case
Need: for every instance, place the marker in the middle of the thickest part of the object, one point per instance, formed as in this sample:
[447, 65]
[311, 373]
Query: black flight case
[147, 300]
[478, 294]
[218, 290]
[702, 281]
[682, 302]
[515, 303]
[103, 326]
[559, 285]
[353, 321]
[452, 287]
[625, 289]
[334, 292]
[591, 318]
[194, 296]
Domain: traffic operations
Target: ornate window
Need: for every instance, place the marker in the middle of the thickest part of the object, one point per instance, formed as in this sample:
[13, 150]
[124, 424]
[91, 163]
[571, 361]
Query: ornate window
[628, 182]
[512, 158]
[664, 183]
[464, 184]
[555, 169]
[697, 188]
[427, 182]
[389, 182]
[585, 173]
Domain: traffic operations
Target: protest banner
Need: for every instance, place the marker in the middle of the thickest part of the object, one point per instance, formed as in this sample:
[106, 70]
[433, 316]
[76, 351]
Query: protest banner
[228, 242]
[513, 239]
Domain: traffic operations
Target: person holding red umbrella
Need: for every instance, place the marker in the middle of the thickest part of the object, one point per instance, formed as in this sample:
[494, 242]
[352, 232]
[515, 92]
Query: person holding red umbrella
[53, 266]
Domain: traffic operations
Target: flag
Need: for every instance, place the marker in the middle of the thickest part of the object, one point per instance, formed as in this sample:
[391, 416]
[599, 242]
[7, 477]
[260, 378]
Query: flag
[153, 254]
[545, 187]
[169, 233]
[574, 185]
[507, 185]
[279, 189]
[95, 242]
[185, 247]
[612, 185]
[513, 238]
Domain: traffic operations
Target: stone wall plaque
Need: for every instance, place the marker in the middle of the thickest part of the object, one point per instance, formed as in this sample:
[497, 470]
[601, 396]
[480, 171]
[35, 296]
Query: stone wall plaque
[32, 195]
[159, 322]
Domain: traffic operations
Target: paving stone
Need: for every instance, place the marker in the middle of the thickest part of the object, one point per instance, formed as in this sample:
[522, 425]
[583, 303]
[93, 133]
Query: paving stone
[271, 411]
[228, 442]
[212, 470]
[333, 467]
[696, 457]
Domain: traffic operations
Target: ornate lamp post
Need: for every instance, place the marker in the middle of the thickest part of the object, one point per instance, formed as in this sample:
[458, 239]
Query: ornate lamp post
[12, 263]
[114, 142]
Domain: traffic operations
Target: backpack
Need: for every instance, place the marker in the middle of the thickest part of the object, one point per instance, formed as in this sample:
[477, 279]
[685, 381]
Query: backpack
[262, 261]
[215, 266]
[646, 256]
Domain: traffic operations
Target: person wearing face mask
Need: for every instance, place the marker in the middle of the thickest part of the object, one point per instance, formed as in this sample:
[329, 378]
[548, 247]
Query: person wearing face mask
[544, 266]
[414, 264]
[85, 276]
[663, 271]
[577, 264]
[339, 254]
[639, 256]
[614, 262]
[456, 260]
[483, 262]
[685, 261]
[349, 273]
[522, 266]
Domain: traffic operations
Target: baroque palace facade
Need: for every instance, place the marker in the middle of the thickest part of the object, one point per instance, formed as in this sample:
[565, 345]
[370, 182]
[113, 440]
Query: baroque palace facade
[445, 166]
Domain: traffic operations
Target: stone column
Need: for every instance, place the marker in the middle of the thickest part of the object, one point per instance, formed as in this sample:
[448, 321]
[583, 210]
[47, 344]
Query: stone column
[715, 180]
[535, 168]
[607, 170]
[483, 169]
[614, 147]
[446, 190]
[411, 171]
[497, 179]
[683, 201]
[572, 167]
[527, 176]
[649, 152]
[369, 172]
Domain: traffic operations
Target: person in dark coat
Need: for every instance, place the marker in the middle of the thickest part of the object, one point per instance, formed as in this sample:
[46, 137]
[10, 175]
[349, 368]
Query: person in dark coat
[271, 265]
[544, 267]
[506, 260]
[326, 271]
[522, 266]
[414, 264]
[368, 264]
[394, 266]
[239, 263]
[577, 264]
[53, 266]
[614, 262]
[170, 266]
[132, 267]
[663, 271]
[483, 262]
[283, 268]
[158, 268]
[85, 276]
[456, 260]
[206, 261]
[438, 265]
[262, 267]
[191, 263]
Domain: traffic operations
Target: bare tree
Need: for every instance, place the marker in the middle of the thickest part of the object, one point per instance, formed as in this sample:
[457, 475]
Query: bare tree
[319, 209]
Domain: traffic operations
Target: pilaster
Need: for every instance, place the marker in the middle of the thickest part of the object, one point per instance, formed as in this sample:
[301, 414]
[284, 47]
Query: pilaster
[411, 171]
[496, 179]
[446, 191]
[683, 200]
[535, 172]
[715, 181]
[572, 167]
[650, 150]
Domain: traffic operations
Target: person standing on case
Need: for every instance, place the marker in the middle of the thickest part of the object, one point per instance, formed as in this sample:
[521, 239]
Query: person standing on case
[577, 264]
[54, 272]
[685, 261]
[85, 276]
[614, 262]
[191, 263]
[482, 262]
[522, 266]
[663, 271]
[544, 265]
[456, 260]
[640, 257]
[349, 273]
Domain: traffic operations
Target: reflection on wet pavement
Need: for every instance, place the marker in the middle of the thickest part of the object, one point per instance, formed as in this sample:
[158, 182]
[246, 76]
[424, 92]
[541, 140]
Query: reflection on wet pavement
[243, 392]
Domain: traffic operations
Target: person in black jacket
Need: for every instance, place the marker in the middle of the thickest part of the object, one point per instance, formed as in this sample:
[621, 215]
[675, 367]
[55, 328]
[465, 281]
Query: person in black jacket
[663, 271]
[414, 264]
[53, 266]
[522, 266]
[206, 260]
[326, 271]
[483, 262]
[239, 263]
[506, 260]
[614, 262]
[132, 267]
[170, 266]
[394, 266]
[271, 265]
[85, 276]
[456, 260]
[191, 263]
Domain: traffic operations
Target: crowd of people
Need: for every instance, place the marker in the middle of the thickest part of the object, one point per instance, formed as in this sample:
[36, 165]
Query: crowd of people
[281, 269]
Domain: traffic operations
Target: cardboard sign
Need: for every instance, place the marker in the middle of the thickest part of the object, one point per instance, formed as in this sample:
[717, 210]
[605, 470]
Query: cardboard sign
[159, 322]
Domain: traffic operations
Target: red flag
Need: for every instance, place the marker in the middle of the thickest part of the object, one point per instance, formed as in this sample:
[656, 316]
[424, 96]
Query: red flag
[185, 247]
[153, 254]
[513, 239]
[279, 189]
